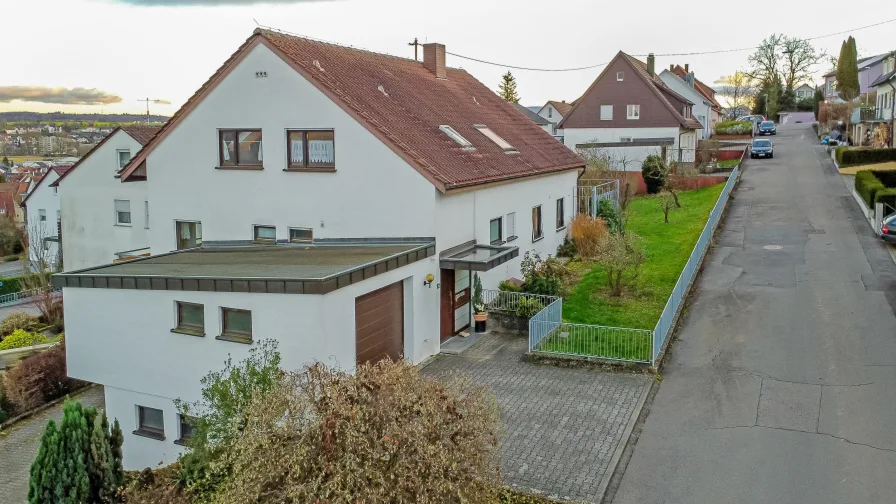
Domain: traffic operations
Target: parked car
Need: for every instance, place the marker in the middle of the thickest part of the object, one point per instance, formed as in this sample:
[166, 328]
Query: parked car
[887, 231]
[762, 147]
[752, 118]
[767, 128]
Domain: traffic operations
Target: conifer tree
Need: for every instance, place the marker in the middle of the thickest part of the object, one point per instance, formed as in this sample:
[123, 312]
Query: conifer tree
[100, 463]
[42, 485]
[507, 88]
[73, 483]
[115, 442]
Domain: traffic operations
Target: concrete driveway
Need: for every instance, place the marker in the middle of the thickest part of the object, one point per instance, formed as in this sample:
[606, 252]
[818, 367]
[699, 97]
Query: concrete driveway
[782, 387]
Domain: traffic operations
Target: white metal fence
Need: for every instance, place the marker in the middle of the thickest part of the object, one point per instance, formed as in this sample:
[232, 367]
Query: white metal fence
[587, 197]
[23, 296]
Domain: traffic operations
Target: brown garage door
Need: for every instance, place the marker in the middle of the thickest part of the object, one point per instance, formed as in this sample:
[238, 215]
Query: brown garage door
[379, 324]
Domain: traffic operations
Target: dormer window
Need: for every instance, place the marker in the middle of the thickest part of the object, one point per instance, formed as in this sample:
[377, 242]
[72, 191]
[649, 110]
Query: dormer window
[454, 135]
[500, 142]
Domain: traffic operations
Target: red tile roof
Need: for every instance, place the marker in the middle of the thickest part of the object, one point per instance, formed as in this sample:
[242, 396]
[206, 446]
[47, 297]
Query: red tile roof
[7, 203]
[701, 88]
[403, 104]
[561, 106]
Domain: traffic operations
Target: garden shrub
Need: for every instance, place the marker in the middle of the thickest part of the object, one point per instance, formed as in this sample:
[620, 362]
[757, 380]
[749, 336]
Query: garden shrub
[21, 338]
[853, 157]
[867, 185]
[587, 233]
[382, 433]
[528, 307]
[11, 258]
[507, 286]
[653, 169]
[568, 247]
[734, 128]
[38, 379]
[886, 177]
[621, 257]
[607, 211]
[886, 196]
[838, 154]
[11, 284]
[540, 276]
[16, 321]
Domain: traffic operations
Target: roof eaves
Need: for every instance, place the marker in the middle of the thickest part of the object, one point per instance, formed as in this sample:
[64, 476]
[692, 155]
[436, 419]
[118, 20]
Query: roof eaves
[494, 180]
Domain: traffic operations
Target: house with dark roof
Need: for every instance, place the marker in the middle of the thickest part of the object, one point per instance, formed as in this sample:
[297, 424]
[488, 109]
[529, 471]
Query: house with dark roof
[631, 113]
[336, 200]
[100, 219]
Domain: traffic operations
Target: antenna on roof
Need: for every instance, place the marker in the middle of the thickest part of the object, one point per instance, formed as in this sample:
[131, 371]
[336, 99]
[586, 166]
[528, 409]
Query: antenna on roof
[416, 45]
[256, 23]
[152, 100]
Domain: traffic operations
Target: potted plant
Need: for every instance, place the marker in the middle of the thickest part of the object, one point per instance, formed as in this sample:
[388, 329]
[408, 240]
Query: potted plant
[480, 316]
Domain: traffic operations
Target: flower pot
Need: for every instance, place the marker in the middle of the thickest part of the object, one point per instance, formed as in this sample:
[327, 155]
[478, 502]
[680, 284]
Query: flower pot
[480, 319]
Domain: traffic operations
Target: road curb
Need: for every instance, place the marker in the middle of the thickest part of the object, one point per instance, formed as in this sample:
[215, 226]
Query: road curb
[623, 443]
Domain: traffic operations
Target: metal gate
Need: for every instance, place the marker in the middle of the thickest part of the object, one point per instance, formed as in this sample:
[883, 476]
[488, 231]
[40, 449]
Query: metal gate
[587, 197]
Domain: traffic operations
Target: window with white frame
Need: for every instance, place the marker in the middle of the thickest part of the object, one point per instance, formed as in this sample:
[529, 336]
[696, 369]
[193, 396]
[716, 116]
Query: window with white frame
[561, 217]
[550, 112]
[620, 76]
[491, 135]
[123, 212]
[510, 223]
[124, 155]
[633, 111]
[457, 137]
[265, 234]
[301, 235]
[537, 232]
[42, 215]
[606, 112]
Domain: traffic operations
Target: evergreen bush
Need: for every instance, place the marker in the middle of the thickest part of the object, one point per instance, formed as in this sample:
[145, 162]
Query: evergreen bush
[653, 169]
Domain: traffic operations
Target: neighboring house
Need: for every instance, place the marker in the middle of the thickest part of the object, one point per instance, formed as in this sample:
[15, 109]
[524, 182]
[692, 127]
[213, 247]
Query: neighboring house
[869, 70]
[702, 108]
[43, 218]
[716, 112]
[545, 124]
[17, 187]
[103, 219]
[629, 103]
[804, 92]
[332, 199]
[555, 111]
[884, 112]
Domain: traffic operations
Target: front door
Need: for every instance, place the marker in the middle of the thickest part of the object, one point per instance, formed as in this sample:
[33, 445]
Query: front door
[455, 302]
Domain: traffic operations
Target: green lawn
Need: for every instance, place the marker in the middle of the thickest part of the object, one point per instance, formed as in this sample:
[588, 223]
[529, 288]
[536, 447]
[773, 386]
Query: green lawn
[728, 163]
[668, 248]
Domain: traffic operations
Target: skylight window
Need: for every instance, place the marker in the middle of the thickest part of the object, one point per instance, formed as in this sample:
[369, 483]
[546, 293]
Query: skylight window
[500, 142]
[454, 135]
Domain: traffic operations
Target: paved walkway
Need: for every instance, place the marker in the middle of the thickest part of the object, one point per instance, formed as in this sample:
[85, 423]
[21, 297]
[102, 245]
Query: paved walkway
[19, 445]
[783, 384]
[561, 426]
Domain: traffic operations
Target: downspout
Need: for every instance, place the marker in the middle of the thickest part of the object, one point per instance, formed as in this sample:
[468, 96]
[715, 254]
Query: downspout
[892, 111]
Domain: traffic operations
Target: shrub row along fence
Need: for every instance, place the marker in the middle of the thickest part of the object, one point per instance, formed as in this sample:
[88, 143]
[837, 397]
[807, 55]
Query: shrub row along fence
[852, 157]
[548, 334]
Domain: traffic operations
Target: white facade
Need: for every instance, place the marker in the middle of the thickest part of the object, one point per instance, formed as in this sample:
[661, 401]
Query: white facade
[551, 113]
[43, 210]
[702, 109]
[632, 157]
[372, 194]
[92, 233]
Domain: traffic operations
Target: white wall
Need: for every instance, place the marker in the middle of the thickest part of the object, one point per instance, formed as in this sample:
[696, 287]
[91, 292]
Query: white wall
[43, 197]
[373, 193]
[634, 155]
[466, 216]
[551, 114]
[90, 236]
[139, 451]
[131, 347]
[702, 109]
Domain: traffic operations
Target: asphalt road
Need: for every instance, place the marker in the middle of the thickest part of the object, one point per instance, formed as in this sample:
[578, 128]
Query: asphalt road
[782, 388]
[13, 268]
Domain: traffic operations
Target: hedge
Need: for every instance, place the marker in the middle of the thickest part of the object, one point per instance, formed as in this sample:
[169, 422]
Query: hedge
[867, 185]
[853, 157]
[734, 128]
[887, 197]
[10, 285]
[838, 154]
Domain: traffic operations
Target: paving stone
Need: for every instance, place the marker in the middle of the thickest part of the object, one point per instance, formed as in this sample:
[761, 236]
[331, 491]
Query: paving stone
[561, 426]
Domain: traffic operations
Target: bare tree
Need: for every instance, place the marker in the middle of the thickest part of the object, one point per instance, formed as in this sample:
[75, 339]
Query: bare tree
[38, 271]
[799, 60]
[766, 62]
[739, 89]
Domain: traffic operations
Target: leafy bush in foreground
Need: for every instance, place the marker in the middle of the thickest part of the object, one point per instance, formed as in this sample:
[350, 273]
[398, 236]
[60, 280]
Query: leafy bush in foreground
[18, 320]
[21, 338]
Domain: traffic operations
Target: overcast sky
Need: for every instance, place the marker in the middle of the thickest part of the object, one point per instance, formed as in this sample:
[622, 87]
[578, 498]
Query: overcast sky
[104, 55]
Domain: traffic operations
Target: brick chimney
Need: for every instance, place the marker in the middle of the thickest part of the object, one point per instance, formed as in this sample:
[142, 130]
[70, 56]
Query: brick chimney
[434, 59]
[672, 67]
[686, 68]
[651, 65]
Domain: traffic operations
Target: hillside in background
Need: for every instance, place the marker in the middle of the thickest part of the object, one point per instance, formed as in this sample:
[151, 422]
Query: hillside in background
[56, 117]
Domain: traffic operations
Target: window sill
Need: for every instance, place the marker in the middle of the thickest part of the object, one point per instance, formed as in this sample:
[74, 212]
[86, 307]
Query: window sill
[497, 243]
[235, 338]
[538, 239]
[123, 225]
[247, 167]
[189, 332]
[158, 436]
[311, 170]
[561, 228]
[180, 442]
[510, 239]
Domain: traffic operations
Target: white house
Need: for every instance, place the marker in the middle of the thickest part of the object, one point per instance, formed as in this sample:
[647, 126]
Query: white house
[554, 111]
[103, 219]
[702, 106]
[42, 216]
[629, 112]
[804, 92]
[332, 199]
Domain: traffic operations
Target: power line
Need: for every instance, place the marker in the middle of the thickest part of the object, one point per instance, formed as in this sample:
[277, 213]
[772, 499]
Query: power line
[700, 53]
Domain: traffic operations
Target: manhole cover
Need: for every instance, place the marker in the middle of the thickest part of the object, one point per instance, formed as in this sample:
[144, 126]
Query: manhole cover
[773, 247]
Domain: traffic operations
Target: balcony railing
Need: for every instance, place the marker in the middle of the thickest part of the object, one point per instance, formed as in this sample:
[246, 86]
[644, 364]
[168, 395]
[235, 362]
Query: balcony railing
[867, 114]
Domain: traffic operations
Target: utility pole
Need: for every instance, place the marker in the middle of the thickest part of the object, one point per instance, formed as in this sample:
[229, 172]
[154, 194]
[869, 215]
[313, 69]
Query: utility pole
[152, 100]
[415, 44]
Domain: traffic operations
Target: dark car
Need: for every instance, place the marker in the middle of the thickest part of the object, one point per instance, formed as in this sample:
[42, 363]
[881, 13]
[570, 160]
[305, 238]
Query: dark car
[762, 147]
[888, 228]
[767, 128]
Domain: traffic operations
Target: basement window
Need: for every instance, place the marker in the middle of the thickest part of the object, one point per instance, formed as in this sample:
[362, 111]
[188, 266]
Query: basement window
[301, 235]
[454, 135]
[265, 234]
[500, 142]
[150, 423]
